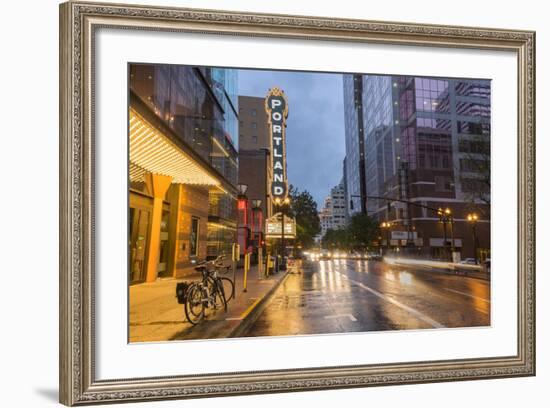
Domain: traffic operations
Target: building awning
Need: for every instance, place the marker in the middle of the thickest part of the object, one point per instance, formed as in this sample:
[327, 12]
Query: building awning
[153, 152]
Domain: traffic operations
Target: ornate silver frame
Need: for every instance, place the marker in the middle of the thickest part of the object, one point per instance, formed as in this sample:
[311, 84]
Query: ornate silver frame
[78, 22]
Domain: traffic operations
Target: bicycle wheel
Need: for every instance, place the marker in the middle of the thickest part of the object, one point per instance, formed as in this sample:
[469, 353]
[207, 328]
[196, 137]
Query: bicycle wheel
[228, 288]
[219, 294]
[194, 306]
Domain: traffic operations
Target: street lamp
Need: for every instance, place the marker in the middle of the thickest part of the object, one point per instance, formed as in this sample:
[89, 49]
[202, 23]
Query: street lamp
[257, 232]
[257, 228]
[445, 216]
[281, 204]
[386, 225]
[242, 225]
[241, 188]
[451, 221]
[472, 218]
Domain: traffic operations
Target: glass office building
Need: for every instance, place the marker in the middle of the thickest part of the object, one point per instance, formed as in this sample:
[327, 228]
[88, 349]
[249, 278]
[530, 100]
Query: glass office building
[354, 136]
[426, 142]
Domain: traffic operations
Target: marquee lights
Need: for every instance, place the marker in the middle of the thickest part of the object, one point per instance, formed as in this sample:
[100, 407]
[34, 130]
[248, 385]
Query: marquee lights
[151, 151]
[276, 107]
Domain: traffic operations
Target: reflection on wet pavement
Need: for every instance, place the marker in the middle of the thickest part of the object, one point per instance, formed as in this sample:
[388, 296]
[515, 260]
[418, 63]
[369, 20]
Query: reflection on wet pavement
[338, 296]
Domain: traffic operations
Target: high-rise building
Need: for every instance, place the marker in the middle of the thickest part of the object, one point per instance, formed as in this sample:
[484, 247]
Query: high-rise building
[345, 186]
[183, 168]
[254, 154]
[355, 140]
[427, 145]
[338, 206]
[325, 217]
[333, 214]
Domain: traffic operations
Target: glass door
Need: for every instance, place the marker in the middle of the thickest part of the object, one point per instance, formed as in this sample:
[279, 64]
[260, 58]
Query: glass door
[139, 227]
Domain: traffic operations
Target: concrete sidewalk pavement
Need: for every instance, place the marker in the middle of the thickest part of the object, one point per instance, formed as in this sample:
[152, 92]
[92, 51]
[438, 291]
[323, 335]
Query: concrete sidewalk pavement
[155, 314]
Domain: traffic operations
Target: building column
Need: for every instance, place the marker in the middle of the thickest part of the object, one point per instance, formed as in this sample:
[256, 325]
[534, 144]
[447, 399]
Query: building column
[158, 185]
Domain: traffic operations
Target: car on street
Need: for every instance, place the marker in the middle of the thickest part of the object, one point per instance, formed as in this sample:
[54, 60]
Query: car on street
[468, 261]
[374, 256]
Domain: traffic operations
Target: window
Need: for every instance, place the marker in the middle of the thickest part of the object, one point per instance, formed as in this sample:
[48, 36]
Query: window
[473, 128]
[472, 185]
[253, 112]
[443, 184]
[475, 165]
[473, 109]
[434, 151]
[254, 139]
[194, 237]
[479, 90]
[253, 125]
[474, 146]
[432, 95]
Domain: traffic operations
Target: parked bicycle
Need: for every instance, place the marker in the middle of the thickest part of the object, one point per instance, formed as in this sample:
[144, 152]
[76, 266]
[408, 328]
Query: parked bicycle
[211, 292]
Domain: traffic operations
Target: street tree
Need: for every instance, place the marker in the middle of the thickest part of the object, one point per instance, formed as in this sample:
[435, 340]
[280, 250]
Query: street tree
[362, 230]
[304, 208]
[337, 239]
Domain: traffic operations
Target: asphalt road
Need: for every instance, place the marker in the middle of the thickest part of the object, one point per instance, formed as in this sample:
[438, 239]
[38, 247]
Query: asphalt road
[340, 296]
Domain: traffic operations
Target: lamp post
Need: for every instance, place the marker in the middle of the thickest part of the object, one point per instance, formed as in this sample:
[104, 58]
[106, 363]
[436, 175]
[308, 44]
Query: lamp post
[450, 220]
[445, 216]
[257, 232]
[386, 225]
[242, 206]
[472, 218]
[281, 204]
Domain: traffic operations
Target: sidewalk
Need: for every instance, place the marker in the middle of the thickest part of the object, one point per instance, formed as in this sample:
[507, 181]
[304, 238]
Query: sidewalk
[155, 314]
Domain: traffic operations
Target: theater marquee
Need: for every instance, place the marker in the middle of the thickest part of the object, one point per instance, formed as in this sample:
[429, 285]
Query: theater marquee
[276, 106]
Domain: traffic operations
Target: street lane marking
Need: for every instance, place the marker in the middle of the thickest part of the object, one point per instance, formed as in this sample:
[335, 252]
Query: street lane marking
[415, 312]
[350, 316]
[467, 294]
[233, 318]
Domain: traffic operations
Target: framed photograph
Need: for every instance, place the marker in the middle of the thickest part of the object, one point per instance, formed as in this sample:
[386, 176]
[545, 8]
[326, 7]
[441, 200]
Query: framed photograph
[255, 203]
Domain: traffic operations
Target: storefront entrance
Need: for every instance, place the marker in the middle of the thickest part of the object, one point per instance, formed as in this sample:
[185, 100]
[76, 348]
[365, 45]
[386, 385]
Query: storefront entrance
[139, 232]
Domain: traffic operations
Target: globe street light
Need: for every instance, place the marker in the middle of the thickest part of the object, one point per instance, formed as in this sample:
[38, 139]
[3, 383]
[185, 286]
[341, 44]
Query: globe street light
[386, 225]
[445, 216]
[472, 218]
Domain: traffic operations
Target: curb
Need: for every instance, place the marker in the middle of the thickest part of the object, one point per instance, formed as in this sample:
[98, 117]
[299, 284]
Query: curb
[251, 317]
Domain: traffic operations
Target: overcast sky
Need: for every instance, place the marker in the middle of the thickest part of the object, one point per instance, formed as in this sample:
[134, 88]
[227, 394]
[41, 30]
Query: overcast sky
[315, 126]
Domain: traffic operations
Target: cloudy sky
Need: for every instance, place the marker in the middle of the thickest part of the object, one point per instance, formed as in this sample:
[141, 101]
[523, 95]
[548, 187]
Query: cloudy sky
[315, 125]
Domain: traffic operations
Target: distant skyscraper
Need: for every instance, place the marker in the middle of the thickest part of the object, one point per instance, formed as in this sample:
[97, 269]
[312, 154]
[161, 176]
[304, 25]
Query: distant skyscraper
[333, 213]
[338, 206]
[325, 217]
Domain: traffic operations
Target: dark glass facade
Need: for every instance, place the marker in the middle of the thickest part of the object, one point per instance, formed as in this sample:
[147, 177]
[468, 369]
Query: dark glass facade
[355, 151]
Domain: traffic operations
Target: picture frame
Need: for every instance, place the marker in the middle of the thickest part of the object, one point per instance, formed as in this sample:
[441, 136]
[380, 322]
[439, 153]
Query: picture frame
[79, 22]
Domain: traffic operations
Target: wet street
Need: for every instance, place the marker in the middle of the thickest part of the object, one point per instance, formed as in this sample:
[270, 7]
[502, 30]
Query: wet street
[338, 296]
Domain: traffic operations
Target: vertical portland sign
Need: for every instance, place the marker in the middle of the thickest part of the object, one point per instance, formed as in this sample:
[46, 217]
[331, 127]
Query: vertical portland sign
[276, 106]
